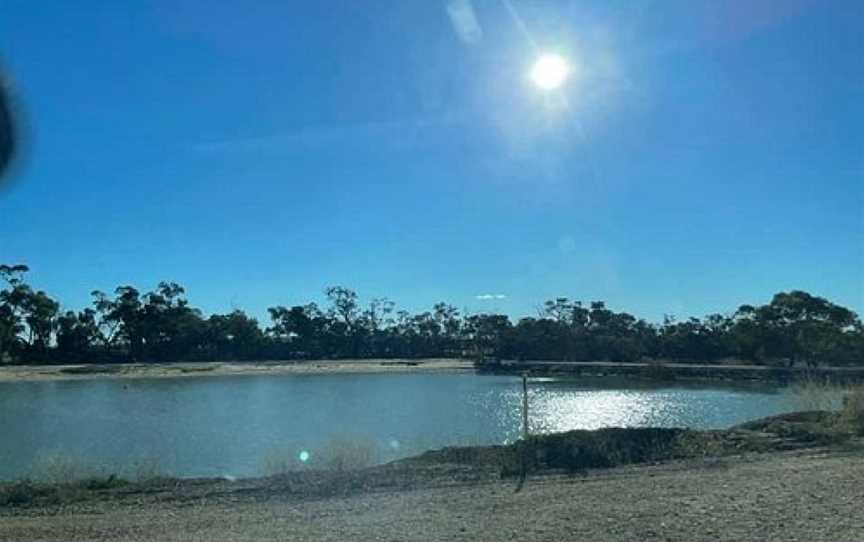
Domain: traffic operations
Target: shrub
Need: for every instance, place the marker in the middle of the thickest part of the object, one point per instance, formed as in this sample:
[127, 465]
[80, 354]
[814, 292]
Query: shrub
[20, 493]
[842, 405]
[852, 412]
[813, 392]
[144, 469]
[344, 454]
[57, 468]
[103, 482]
[281, 461]
[340, 454]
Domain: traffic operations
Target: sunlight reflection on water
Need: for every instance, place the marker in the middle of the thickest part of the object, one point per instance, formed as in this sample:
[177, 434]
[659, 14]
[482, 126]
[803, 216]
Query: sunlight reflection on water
[564, 406]
[588, 410]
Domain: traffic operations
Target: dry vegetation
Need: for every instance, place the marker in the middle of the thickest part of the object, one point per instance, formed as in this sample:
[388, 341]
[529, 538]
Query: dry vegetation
[339, 454]
[843, 405]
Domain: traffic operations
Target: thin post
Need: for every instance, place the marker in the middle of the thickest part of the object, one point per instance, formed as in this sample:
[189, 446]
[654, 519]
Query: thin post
[523, 446]
[525, 406]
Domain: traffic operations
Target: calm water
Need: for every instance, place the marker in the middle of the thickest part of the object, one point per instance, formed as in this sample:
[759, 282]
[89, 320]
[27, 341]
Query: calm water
[213, 426]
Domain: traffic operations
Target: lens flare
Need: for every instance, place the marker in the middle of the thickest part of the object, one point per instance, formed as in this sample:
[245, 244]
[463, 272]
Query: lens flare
[550, 71]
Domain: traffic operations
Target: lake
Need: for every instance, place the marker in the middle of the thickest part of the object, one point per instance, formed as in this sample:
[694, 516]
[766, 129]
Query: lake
[237, 426]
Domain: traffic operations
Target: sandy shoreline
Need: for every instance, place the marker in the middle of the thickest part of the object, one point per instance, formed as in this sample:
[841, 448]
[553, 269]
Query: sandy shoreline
[24, 373]
[643, 370]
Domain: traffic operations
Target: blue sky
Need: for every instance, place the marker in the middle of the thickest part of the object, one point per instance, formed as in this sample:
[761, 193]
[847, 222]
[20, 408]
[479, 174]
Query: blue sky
[700, 155]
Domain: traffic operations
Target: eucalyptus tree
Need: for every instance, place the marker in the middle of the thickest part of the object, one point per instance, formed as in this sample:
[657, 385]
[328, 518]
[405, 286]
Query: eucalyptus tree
[11, 300]
[25, 312]
[122, 320]
[78, 335]
[450, 326]
[300, 330]
[233, 336]
[41, 319]
[172, 330]
[377, 321]
[344, 313]
[486, 336]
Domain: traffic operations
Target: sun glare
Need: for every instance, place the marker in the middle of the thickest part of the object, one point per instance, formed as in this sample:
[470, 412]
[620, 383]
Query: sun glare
[550, 71]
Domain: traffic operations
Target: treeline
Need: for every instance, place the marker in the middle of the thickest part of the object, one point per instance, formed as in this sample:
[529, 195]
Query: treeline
[161, 326]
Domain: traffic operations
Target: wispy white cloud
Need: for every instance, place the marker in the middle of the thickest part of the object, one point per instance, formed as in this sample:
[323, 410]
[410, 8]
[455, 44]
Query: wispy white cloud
[464, 20]
[486, 297]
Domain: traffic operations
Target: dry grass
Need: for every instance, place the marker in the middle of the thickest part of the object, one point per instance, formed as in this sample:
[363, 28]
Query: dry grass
[56, 478]
[852, 412]
[26, 491]
[344, 454]
[57, 468]
[844, 400]
[340, 454]
[144, 469]
[815, 393]
[280, 461]
[64, 469]
[579, 451]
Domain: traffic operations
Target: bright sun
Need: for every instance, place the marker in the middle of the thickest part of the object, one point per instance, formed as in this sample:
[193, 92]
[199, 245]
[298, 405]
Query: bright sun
[550, 71]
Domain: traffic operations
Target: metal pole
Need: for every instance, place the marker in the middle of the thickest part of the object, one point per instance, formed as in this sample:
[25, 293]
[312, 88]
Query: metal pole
[522, 447]
[525, 406]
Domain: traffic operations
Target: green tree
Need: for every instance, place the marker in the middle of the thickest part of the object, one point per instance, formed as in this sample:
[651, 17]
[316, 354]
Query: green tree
[345, 328]
[11, 309]
[487, 335]
[234, 336]
[41, 318]
[300, 330]
[78, 335]
[170, 328]
[122, 320]
[25, 311]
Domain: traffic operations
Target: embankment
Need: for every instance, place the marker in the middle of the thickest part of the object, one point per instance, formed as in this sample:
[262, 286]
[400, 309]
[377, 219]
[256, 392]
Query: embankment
[677, 371]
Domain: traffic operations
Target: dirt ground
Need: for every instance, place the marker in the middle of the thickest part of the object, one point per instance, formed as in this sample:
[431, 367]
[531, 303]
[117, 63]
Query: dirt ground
[808, 495]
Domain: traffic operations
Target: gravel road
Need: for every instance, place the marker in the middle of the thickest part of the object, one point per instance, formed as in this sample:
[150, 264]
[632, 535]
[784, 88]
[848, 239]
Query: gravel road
[806, 496]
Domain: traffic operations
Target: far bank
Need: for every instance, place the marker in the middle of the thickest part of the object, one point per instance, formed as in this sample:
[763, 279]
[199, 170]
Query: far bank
[649, 370]
[13, 373]
[662, 371]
